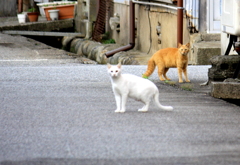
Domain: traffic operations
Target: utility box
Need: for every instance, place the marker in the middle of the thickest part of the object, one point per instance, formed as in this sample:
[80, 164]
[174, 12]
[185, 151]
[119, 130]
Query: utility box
[231, 17]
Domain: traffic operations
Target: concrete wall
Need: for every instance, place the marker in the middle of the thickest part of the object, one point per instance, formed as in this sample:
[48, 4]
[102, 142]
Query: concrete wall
[85, 16]
[8, 8]
[122, 37]
[147, 20]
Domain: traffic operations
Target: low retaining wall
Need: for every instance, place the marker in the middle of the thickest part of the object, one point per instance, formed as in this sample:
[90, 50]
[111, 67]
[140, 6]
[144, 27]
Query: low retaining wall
[223, 67]
[41, 25]
[96, 51]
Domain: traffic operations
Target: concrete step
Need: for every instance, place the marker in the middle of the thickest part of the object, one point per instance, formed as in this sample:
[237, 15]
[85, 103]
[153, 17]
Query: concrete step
[203, 51]
[211, 37]
[226, 90]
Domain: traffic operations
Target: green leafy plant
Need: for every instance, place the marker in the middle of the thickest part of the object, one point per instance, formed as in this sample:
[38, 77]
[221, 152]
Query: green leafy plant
[32, 10]
[58, 4]
[172, 83]
[187, 87]
[110, 41]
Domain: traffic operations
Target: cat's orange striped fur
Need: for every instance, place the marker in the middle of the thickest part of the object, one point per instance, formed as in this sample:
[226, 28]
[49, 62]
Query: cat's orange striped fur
[169, 58]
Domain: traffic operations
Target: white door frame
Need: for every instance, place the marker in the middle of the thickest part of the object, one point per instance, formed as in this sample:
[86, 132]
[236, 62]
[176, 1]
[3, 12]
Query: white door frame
[214, 16]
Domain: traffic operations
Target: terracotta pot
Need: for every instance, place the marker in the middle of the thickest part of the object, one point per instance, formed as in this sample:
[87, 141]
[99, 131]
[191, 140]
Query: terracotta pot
[65, 11]
[33, 17]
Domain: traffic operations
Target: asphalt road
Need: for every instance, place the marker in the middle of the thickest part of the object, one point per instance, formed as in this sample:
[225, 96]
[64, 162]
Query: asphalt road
[58, 111]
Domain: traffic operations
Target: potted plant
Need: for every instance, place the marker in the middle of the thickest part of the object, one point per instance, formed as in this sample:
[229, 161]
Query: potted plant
[53, 14]
[33, 15]
[66, 9]
[42, 5]
[22, 17]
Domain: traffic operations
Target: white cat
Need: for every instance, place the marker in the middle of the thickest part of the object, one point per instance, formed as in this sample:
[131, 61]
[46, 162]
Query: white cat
[140, 89]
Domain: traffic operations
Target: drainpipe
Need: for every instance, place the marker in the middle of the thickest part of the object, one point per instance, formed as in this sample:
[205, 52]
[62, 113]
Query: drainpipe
[180, 21]
[131, 33]
[20, 6]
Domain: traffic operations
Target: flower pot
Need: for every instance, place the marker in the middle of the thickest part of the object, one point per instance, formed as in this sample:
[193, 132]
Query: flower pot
[53, 14]
[41, 7]
[21, 18]
[33, 17]
[65, 11]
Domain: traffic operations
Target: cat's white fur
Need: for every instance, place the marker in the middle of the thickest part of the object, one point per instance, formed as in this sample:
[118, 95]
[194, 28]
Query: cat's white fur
[138, 88]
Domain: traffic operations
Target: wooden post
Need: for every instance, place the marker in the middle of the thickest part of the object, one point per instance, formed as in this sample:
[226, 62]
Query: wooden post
[26, 5]
[20, 6]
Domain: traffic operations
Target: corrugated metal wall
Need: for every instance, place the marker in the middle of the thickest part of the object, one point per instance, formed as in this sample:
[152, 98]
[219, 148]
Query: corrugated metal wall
[192, 12]
[8, 8]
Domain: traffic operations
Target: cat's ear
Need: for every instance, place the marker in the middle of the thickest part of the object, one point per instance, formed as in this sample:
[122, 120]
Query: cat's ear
[109, 66]
[179, 45]
[188, 44]
[119, 65]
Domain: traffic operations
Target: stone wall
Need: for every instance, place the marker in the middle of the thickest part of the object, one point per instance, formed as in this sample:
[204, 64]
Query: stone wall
[96, 51]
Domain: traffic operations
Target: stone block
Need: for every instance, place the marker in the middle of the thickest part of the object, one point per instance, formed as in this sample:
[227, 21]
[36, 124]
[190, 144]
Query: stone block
[73, 44]
[203, 51]
[225, 90]
[223, 67]
[66, 42]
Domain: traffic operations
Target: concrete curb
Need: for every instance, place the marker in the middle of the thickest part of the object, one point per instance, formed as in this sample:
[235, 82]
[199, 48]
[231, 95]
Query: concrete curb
[228, 89]
[96, 51]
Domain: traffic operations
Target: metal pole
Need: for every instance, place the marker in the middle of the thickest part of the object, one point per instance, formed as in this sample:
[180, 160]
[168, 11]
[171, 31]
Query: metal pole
[132, 23]
[180, 22]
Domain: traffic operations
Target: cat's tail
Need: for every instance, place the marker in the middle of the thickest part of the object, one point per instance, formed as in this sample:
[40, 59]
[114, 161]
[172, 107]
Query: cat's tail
[150, 68]
[166, 108]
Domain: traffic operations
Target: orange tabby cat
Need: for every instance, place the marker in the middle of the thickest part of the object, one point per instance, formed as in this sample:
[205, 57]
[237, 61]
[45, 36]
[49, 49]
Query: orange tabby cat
[169, 58]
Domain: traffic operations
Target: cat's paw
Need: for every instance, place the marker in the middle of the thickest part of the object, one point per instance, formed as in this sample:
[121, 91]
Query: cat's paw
[188, 81]
[142, 110]
[180, 81]
[117, 110]
[122, 111]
